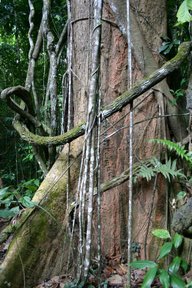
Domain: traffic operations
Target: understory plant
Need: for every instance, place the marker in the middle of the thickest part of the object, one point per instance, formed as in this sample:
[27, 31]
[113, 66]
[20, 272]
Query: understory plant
[179, 150]
[170, 276]
[153, 166]
[150, 168]
[12, 200]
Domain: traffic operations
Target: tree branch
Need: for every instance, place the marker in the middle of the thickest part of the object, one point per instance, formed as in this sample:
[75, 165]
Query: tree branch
[112, 108]
[52, 87]
[33, 51]
[20, 92]
[62, 39]
[25, 96]
[149, 82]
[48, 140]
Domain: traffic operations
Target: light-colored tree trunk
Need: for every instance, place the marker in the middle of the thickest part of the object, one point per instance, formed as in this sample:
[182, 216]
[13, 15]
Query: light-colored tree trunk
[36, 251]
[39, 248]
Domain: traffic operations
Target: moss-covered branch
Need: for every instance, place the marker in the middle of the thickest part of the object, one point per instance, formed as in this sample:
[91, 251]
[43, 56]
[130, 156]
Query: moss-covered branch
[20, 92]
[48, 140]
[26, 111]
[150, 81]
[112, 108]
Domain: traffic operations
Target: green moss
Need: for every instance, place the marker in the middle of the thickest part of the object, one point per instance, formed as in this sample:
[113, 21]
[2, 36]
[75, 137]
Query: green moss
[35, 236]
[49, 140]
[24, 250]
[115, 106]
[10, 229]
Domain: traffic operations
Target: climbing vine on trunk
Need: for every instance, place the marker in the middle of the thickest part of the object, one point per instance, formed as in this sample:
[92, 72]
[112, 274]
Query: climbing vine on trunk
[89, 160]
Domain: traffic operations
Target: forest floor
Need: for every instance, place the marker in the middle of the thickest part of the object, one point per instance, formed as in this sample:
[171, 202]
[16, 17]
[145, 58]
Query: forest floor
[113, 274]
[114, 281]
[111, 277]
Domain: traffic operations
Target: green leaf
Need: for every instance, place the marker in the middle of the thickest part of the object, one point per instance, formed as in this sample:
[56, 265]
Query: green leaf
[165, 250]
[149, 277]
[164, 47]
[177, 240]
[168, 49]
[164, 278]
[177, 282]
[183, 14]
[8, 213]
[146, 172]
[175, 265]
[26, 202]
[189, 285]
[141, 264]
[37, 182]
[161, 233]
[189, 4]
[184, 265]
[104, 284]
[71, 285]
[172, 146]
[181, 195]
[5, 213]
[169, 169]
[178, 42]
[8, 201]
[3, 191]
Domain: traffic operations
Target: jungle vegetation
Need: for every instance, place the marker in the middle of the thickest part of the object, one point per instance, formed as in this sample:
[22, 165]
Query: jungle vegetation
[96, 152]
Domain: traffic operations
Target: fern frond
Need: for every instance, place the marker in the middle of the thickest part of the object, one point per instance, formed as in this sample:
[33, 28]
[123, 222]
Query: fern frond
[153, 166]
[177, 148]
[146, 172]
[169, 170]
[155, 162]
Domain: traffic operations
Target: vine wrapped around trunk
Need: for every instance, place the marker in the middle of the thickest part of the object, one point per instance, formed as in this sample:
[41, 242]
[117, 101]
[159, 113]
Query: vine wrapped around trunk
[115, 106]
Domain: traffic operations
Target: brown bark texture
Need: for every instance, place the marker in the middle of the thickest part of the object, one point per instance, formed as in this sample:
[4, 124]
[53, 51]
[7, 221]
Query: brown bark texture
[40, 247]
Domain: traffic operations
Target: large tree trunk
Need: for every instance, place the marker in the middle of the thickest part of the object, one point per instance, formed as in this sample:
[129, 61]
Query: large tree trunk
[39, 248]
[36, 251]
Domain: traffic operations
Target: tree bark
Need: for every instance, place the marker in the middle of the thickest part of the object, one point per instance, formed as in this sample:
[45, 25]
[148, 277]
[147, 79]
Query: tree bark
[37, 250]
[117, 105]
[182, 220]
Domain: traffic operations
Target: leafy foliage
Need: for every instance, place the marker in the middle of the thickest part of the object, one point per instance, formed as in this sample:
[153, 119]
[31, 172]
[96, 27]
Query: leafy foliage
[14, 166]
[164, 278]
[13, 200]
[177, 240]
[179, 93]
[149, 277]
[183, 13]
[161, 233]
[181, 195]
[165, 250]
[171, 276]
[142, 264]
[177, 148]
[168, 45]
[14, 48]
[153, 166]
